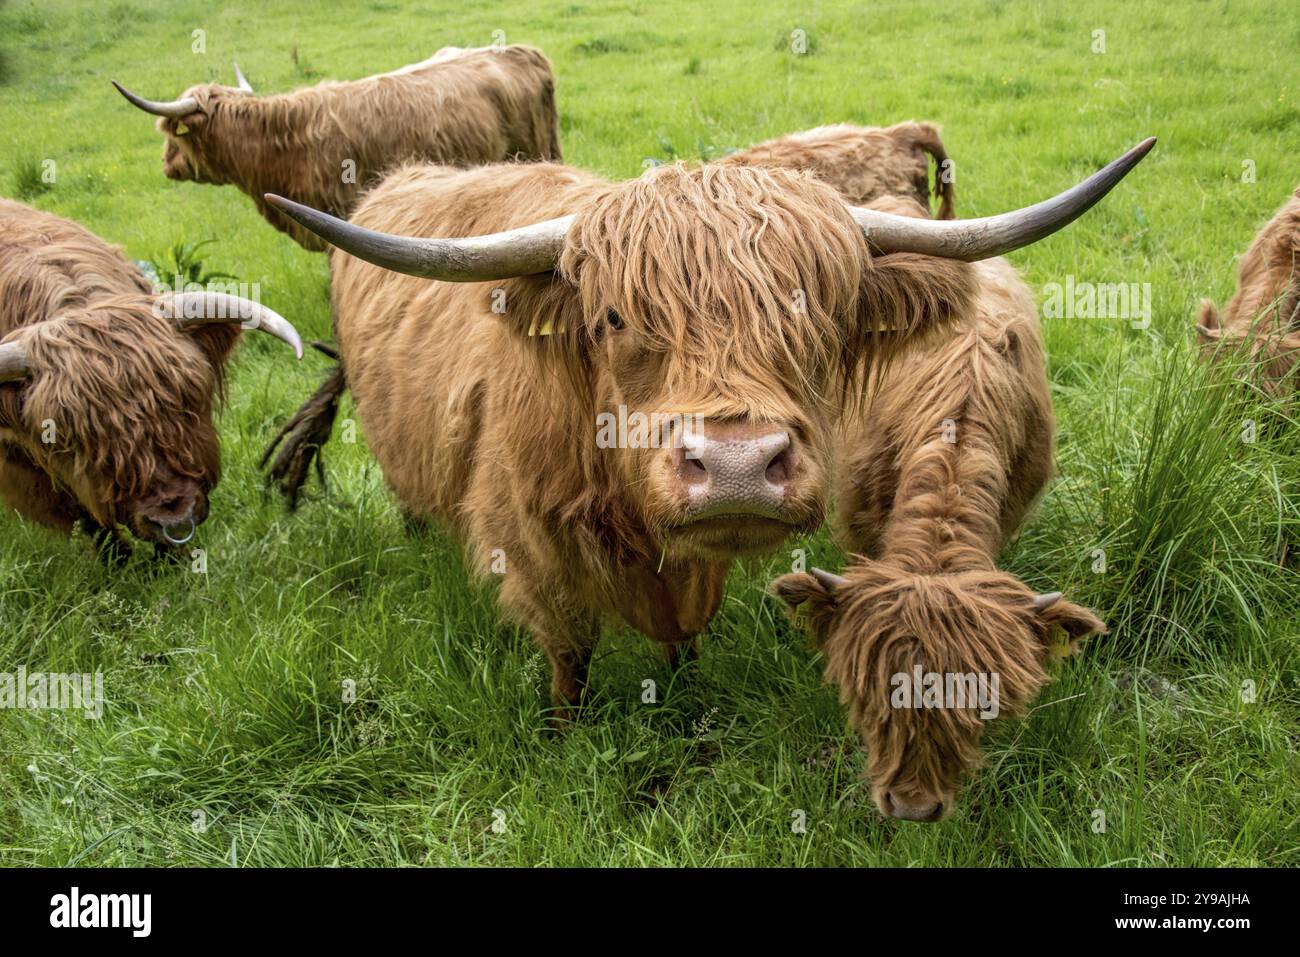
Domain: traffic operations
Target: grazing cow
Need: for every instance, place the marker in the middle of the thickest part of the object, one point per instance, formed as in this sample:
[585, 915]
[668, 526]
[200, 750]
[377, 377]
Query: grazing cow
[1266, 306]
[330, 142]
[106, 388]
[728, 307]
[943, 461]
[863, 163]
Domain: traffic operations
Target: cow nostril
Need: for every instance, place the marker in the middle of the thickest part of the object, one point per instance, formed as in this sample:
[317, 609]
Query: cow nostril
[781, 467]
[693, 470]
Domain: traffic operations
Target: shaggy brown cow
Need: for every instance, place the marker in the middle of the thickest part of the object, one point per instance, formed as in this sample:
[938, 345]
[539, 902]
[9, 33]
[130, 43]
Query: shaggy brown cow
[735, 303]
[106, 388]
[330, 142]
[863, 163]
[1266, 305]
[946, 458]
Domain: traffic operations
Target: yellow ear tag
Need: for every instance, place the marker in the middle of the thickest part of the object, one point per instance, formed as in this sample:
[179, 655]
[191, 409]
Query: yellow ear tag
[547, 328]
[181, 129]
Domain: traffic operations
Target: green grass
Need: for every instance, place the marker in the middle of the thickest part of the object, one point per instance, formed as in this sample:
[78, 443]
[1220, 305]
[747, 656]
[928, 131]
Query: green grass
[226, 689]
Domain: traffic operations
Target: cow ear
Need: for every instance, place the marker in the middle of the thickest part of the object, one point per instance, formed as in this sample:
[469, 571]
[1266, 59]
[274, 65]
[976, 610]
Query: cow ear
[1075, 621]
[807, 598]
[1208, 326]
[906, 295]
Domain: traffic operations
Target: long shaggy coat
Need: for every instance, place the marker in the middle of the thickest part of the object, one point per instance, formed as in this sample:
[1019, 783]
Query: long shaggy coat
[484, 417]
[118, 408]
[944, 461]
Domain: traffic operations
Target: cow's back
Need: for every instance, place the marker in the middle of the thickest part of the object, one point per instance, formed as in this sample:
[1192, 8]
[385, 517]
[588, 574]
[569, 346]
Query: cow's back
[982, 386]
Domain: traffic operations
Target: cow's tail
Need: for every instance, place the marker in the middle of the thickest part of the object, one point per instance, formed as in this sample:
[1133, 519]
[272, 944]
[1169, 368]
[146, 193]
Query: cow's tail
[302, 438]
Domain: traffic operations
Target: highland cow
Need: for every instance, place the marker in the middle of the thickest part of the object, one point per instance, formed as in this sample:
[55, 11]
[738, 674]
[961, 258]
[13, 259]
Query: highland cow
[330, 142]
[753, 298]
[1265, 309]
[944, 461]
[863, 164]
[107, 388]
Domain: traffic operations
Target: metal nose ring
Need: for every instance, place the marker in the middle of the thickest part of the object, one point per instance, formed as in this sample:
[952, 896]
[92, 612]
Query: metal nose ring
[180, 541]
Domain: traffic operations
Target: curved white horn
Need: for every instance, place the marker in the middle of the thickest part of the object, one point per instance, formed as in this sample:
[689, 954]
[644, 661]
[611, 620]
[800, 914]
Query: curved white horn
[172, 108]
[13, 362]
[828, 580]
[242, 80]
[974, 239]
[516, 252]
[205, 307]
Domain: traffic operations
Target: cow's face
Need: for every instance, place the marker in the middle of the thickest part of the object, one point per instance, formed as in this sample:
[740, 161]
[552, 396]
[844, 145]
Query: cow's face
[975, 645]
[720, 312]
[187, 154]
[117, 411]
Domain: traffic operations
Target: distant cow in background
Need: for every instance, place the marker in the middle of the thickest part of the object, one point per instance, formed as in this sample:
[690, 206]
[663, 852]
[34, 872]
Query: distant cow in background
[863, 163]
[328, 143]
[106, 387]
[1265, 309]
[948, 454]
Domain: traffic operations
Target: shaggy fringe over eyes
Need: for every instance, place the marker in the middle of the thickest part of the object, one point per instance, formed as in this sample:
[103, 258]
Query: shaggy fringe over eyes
[885, 621]
[724, 269]
[127, 393]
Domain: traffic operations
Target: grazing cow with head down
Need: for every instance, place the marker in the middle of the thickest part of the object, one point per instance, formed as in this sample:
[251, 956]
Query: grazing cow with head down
[107, 388]
[738, 304]
[947, 456]
[1266, 306]
[330, 142]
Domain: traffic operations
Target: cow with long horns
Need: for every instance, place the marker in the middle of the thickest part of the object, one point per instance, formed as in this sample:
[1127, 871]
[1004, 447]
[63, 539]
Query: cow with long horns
[944, 460]
[1264, 312]
[107, 387]
[728, 307]
[328, 143]
[864, 164]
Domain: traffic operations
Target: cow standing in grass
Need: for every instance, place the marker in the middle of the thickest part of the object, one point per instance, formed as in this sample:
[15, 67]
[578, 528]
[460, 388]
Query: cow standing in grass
[743, 300]
[1265, 309]
[944, 461]
[107, 388]
[330, 142]
[863, 164]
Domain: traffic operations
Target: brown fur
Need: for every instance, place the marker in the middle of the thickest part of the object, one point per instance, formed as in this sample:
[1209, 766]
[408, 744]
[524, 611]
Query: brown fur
[933, 515]
[129, 396]
[478, 106]
[1265, 309]
[492, 430]
[863, 163]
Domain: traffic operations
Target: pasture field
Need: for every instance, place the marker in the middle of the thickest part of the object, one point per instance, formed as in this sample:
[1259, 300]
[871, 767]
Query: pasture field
[226, 739]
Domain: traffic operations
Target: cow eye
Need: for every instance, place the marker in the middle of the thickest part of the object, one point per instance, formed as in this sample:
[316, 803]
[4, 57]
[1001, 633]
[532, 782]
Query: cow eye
[614, 320]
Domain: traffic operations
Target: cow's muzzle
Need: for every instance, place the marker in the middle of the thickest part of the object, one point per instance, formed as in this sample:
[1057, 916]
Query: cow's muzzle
[736, 471]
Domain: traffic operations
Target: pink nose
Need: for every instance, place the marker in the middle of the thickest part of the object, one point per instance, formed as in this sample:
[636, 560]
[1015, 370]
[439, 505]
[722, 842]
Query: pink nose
[913, 809]
[735, 473]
